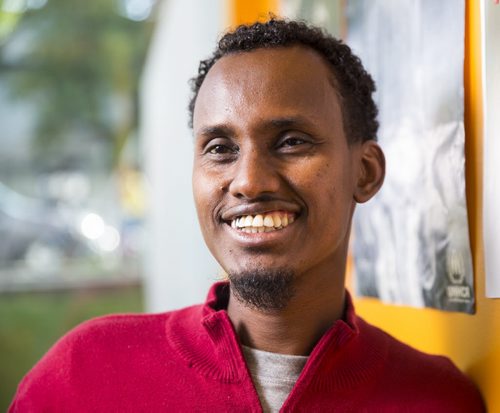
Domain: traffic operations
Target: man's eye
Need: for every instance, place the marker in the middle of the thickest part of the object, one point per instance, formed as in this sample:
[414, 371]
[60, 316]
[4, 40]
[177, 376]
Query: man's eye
[220, 150]
[293, 142]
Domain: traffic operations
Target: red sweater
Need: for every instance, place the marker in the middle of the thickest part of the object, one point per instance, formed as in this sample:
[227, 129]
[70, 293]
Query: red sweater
[190, 361]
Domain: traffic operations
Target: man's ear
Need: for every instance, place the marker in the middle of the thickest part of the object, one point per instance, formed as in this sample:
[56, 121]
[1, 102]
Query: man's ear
[371, 171]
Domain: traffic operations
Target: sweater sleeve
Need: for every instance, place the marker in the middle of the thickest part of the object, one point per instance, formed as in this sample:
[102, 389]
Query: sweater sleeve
[101, 364]
[46, 385]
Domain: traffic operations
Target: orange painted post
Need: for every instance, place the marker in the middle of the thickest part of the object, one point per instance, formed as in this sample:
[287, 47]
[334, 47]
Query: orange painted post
[249, 11]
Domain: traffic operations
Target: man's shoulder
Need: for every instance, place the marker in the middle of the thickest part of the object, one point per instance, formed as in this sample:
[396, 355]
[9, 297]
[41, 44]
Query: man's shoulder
[116, 330]
[397, 352]
[409, 372]
[121, 347]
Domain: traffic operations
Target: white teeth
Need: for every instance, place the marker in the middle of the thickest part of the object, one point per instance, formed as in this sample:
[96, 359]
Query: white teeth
[248, 221]
[268, 221]
[258, 221]
[277, 219]
[284, 221]
[263, 222]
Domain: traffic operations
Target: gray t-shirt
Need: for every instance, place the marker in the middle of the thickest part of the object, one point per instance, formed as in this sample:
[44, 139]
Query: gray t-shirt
[274, 375]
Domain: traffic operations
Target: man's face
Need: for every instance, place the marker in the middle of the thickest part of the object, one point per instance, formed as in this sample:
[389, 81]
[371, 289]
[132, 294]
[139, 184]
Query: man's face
[273, 176]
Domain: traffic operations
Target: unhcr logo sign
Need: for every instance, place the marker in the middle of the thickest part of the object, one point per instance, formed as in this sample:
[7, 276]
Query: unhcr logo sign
[458, 291]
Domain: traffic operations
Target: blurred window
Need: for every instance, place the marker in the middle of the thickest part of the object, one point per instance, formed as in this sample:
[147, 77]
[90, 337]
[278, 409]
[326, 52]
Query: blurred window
[71, 198]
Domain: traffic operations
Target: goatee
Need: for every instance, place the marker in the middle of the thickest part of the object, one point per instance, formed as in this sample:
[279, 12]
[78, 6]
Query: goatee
[263, 289]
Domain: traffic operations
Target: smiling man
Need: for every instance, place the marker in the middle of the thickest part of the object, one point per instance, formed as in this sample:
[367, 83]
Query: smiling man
[275, 181]
[284, 148]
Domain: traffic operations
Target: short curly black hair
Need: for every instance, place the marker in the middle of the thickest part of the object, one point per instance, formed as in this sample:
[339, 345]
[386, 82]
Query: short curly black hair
[353, 83]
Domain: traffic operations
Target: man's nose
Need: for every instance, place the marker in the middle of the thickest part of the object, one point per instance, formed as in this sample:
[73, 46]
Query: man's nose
[254, 175]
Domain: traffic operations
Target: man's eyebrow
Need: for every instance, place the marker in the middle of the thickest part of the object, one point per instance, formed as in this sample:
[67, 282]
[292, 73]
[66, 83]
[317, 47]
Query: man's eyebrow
[273, 123]
[212, 130]
[289, 121]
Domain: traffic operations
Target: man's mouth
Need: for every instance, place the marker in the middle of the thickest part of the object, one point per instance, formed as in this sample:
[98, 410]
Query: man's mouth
[266, 222]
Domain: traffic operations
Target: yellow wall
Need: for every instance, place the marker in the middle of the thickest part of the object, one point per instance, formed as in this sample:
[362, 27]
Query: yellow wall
[471, 341]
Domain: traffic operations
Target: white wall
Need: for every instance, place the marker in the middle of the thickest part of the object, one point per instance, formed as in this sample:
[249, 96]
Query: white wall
[178, 267]
[491, 188]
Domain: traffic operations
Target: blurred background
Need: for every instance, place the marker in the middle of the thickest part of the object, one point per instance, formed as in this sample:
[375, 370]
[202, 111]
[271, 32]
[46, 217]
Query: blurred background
[96, 211]
[72, 198]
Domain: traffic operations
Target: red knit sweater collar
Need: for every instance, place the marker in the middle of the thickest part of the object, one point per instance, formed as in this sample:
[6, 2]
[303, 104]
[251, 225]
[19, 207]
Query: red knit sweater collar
[206, 340]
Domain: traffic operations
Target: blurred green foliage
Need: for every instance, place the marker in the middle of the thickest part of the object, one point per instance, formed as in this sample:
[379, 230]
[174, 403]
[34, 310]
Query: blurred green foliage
[32, 322]
[79, 63]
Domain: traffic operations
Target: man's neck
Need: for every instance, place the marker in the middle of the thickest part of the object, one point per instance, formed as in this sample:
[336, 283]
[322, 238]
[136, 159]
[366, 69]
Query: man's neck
[298, 327]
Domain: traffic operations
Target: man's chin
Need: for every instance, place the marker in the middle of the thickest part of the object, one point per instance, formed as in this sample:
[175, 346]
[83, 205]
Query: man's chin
[262, 288]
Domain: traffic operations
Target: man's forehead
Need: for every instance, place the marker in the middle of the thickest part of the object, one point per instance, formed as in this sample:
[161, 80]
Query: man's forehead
[275, 64]
[292, 80]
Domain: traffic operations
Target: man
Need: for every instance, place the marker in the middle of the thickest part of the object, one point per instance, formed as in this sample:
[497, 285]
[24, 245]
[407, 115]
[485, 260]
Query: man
[284, 148]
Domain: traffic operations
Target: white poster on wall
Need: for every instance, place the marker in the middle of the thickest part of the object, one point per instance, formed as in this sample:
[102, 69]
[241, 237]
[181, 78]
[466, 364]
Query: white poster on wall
[412, 240]
[490, 11]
